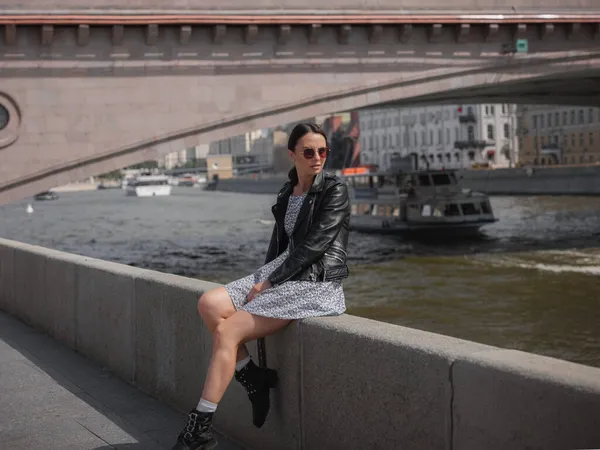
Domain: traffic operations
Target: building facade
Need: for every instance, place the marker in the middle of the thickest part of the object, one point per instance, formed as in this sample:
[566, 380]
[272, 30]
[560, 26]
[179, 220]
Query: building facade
[448, 136]
[179, 158]
[256, 146]
[554, 134]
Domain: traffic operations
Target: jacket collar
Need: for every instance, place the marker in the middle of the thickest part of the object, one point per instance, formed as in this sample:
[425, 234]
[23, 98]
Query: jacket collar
[318, 182]
[317, 186]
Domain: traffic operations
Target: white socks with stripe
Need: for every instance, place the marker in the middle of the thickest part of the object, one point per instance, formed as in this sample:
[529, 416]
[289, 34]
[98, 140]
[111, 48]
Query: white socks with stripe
[206, 406]
[241, 364]
[210, 407]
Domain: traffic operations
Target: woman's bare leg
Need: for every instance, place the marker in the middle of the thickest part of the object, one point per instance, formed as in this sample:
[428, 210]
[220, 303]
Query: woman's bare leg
[230, 334]
[214, 307]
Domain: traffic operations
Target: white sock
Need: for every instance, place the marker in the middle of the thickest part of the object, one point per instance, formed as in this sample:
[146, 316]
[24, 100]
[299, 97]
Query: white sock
[206, 406]
[241, 364]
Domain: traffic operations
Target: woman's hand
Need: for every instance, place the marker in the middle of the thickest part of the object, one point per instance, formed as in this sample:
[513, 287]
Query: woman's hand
[258, 288]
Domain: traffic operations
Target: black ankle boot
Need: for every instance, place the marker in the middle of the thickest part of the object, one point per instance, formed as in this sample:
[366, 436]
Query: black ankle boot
[257, 382]
[197, 434]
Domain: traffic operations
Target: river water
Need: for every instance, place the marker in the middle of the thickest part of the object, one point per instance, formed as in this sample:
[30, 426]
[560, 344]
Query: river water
[530, 282]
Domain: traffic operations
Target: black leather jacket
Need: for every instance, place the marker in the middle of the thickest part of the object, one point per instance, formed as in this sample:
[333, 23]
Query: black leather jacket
[318, 243]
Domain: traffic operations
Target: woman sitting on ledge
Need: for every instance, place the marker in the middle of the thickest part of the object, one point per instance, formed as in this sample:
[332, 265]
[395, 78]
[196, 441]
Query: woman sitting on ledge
[302, 277]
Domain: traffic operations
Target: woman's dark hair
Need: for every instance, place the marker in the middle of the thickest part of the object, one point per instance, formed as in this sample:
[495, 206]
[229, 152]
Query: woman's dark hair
[298, 133]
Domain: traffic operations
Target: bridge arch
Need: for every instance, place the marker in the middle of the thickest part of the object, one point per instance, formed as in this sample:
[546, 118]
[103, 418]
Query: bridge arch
[506, 81]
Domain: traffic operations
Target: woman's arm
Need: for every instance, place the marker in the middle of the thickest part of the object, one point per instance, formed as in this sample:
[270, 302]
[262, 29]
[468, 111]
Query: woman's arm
[327, 224]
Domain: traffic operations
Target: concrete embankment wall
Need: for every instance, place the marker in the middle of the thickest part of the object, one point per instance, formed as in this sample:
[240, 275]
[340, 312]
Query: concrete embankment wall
[523, 181]
[345, 382]
[270, 185]
[535, 181]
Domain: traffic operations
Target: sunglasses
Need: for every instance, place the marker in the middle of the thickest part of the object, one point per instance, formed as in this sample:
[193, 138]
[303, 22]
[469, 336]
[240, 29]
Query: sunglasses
[309, 153]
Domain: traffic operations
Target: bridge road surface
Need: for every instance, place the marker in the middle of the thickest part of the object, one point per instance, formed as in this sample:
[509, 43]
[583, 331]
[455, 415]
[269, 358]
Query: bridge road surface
[52, 398]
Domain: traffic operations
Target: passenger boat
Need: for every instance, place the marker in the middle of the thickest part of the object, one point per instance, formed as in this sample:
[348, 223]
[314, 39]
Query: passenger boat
[429, 202]
[148, 186]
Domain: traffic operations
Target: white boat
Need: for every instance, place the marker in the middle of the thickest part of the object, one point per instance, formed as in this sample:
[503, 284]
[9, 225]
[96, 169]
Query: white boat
[149, 186]
[200, 181]
[430, 202]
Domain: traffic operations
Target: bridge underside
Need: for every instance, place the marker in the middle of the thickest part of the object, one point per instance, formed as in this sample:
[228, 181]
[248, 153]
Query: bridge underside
[577, 89]
[82, 102]
[73, 128]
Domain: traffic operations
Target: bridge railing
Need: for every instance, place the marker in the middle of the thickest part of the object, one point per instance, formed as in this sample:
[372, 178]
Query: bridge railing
[345, 382]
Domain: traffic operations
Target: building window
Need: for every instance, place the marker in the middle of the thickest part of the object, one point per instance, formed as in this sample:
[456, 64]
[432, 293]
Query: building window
[423, 138]
[430, 137]
[565, 118]
[390, 139]
[535, 122]
[415, 139]
[535, 142]
[572, 117]
[492, 110]
[487, 110]
[490, 132]
[581, 140]
[385, 142]
[469, 110]
[542, 121]
[591, 138]
[471, 133]
[506, 131]
[398, 140]
[591, 115]
[456, 133]
[581, 118]
[573, 139]
[556, 119]
[447, 136]
[406, 143]
[549, 120]
[503, 108]
[440, 136]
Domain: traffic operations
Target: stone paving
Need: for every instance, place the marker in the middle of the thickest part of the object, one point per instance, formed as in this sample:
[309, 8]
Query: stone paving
[52, 398]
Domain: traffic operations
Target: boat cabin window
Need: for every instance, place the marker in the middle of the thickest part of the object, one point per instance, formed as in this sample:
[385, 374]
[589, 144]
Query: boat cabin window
[441, 179]
[485, 208]
[451, 209]
[424, 180]
[470, 209]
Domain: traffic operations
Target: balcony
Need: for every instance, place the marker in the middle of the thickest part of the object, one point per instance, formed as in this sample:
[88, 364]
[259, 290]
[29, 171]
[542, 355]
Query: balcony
[461, 145]
[467, 118]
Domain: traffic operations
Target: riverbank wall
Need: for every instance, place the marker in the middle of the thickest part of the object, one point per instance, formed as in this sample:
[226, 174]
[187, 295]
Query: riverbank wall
[507, 182]
[535, 181]
[345, 382]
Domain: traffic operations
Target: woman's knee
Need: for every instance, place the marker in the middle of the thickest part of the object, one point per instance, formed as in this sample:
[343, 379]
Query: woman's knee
[214, 306]
[204, 303]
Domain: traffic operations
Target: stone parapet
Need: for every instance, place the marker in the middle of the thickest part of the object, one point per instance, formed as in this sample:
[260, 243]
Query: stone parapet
[345, 382]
